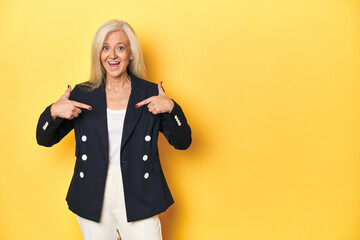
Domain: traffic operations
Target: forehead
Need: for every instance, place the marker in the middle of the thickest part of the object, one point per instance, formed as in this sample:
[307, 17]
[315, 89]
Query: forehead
[116, 37]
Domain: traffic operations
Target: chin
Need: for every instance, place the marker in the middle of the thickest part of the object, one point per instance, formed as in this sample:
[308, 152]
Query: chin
[115, 75]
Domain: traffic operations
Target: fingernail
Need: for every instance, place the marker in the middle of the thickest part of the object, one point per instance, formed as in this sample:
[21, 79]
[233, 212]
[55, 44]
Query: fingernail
[68, 86]
[136, 105]
[161, 83]
[90, 108]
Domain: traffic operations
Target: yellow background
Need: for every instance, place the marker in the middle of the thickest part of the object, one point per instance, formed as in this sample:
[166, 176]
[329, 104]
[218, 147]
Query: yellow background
[269, 87]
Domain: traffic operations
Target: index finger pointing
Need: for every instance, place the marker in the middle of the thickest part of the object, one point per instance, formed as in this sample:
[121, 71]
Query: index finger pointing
[82, 105]
[144, 102]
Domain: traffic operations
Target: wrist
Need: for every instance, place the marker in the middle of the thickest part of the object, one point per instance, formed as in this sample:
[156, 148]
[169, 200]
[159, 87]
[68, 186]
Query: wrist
[172, 104]
[52, 112]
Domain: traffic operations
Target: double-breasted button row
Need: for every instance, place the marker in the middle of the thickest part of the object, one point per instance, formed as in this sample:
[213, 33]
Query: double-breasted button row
[146, 157]
[84, 157]
[177, 120]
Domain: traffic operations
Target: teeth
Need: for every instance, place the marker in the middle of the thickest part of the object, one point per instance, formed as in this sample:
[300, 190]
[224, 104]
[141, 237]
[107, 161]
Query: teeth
[114, 63]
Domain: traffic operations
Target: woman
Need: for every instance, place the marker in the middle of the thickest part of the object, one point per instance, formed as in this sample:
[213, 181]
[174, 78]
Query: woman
[118, 187]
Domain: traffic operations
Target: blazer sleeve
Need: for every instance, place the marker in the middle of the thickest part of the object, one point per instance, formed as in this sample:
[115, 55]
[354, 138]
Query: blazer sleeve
[49, 131]
[175, 128]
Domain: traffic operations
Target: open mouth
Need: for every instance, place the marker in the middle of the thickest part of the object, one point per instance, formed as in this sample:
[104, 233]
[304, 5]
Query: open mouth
[114, 64]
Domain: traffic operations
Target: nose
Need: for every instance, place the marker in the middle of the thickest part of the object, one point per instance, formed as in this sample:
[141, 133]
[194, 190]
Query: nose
[113, 54]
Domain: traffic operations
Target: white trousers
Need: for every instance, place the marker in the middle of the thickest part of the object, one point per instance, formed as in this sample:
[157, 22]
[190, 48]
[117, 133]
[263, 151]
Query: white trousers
[113, 224]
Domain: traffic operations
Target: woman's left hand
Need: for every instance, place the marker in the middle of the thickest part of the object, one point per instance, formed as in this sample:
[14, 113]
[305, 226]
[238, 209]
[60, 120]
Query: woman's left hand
[158, 104]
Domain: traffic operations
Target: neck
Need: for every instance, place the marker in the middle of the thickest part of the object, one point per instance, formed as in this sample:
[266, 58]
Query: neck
[116, 83]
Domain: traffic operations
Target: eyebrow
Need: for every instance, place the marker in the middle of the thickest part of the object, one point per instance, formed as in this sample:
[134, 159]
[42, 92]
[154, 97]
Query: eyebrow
[116, 43]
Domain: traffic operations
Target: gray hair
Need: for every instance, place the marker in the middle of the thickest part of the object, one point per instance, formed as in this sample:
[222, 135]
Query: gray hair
[136, 65]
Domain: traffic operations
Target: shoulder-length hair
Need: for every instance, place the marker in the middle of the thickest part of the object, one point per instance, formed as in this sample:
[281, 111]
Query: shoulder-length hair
[136, 65]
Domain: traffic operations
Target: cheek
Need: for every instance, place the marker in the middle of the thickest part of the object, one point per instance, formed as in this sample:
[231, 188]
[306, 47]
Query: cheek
[102, 64]
[125, 59]
[127, 55]
[102, 57]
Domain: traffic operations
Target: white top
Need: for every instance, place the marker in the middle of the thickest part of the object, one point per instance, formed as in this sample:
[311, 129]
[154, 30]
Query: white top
[115, 121]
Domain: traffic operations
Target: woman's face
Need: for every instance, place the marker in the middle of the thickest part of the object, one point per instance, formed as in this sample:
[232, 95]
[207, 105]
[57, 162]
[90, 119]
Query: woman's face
[115, 54]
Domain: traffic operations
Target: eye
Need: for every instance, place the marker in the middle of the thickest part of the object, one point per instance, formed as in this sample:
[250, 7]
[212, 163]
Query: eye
[105, 48]
[121, 48]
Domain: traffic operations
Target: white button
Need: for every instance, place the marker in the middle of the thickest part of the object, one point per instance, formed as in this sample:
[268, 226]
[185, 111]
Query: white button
[84, 138]
[146, 175]
[176, 117]
[147, 138]
[145, 157]
[45, 126]
[84, 157]
[81, 174]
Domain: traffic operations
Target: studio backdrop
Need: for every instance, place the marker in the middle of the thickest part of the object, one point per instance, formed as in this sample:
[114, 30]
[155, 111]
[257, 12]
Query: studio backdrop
[270, 88]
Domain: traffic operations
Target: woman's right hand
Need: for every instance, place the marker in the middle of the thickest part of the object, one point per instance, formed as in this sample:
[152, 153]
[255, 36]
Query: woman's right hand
[65, 108]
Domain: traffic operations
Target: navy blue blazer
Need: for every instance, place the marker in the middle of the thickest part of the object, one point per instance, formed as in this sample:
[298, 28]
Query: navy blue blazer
[145, 189]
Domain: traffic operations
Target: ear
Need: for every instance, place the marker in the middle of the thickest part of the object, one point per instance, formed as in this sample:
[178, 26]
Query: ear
[132, 57]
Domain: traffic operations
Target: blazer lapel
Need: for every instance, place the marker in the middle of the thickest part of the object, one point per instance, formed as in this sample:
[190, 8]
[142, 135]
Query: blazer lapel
[100, 117]
[132, 113]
